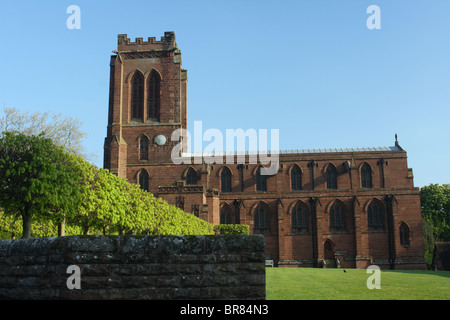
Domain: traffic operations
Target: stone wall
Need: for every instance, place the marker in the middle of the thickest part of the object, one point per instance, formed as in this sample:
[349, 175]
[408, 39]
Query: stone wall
[131, 267]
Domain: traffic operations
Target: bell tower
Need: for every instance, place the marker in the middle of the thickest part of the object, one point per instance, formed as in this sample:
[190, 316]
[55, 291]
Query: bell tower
[147, 102]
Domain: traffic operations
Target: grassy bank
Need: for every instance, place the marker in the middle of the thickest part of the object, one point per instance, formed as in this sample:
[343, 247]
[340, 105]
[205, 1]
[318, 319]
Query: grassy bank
[335, 284]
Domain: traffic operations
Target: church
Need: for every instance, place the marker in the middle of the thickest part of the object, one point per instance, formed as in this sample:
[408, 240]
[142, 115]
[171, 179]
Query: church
[323, 208]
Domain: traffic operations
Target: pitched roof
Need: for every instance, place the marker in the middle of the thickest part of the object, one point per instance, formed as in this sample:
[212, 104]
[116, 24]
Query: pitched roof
[331, 150]
[297, 151]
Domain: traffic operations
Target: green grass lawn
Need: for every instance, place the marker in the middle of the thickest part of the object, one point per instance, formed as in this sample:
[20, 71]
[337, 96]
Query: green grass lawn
[334, 284]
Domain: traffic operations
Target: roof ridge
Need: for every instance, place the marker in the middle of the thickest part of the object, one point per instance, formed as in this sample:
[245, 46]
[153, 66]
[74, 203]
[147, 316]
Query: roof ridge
[294, 151]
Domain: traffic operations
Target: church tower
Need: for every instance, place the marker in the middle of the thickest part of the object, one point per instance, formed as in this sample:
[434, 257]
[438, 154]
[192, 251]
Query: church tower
[147, 102]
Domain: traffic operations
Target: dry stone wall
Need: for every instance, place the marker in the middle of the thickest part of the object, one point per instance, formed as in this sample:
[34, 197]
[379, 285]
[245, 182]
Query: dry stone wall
[131, 267]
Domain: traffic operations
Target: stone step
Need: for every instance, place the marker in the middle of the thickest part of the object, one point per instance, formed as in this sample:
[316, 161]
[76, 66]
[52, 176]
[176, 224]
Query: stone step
[329, 263]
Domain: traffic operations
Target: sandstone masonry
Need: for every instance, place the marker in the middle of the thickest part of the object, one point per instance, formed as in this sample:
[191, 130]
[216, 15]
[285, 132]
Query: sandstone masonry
[131, 267]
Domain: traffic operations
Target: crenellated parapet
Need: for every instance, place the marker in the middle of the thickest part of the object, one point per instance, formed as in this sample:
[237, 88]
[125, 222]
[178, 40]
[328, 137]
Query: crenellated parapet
[167, 42]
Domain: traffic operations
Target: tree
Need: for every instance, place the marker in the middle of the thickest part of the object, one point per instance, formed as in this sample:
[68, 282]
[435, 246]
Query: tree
[112, 205]
[435, 201]
[62, 130]
[94, 197]
[9, 226]
[41, 181]
[37, 179]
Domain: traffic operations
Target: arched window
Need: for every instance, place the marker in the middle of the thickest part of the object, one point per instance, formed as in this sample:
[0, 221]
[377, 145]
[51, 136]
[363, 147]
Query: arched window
[331, 177]
[137, 96]
[225, 215]
[337, 216]
[144, 180]
[375, 216]
[296, 178]
[191, 177]
[366, 176]
[153, 96]
[226, 180]
[143, 148]
[261, 181]
[404, 234]
[299, 218]
[261, 218]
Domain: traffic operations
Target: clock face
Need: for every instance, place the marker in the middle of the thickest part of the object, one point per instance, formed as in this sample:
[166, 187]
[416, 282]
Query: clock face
[160, 140]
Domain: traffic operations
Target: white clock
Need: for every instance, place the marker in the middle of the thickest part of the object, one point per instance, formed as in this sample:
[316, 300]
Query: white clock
[160, 140]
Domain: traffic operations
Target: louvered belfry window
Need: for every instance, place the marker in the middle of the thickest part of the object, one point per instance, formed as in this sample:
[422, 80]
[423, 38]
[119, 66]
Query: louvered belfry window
[153, 96]
[137, 96]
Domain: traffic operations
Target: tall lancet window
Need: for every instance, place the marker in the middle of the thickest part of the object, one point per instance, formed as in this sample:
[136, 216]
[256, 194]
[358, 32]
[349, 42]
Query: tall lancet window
[153, 96]
[143, 148]
[226, 180]
[331, 177]
[261, 181]
[296, 178]
[137, 96]
[366, 176]
[144, 180]
[404, 234]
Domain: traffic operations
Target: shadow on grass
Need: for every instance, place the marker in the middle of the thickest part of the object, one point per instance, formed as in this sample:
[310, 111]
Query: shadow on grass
[445, 274]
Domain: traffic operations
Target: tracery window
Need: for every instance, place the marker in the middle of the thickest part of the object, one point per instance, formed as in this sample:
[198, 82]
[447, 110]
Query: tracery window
[337, 216]
[299, 218]
[375, 216]
[225, 215]
[261, 219]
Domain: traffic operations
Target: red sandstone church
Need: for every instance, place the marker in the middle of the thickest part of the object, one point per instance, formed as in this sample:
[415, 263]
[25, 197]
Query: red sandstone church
[323, 208]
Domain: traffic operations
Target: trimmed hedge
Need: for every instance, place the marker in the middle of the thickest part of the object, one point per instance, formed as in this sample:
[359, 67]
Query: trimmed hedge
[232, 229]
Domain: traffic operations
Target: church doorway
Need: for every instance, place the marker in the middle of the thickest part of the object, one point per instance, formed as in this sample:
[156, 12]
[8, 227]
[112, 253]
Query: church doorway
[329, 250]
[329, 260]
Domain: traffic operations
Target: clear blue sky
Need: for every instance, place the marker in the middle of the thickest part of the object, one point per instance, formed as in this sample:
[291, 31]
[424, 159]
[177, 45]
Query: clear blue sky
[311, 68]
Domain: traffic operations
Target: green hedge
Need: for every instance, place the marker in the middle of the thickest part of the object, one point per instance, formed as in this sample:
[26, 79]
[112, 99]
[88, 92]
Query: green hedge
[231, 229]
